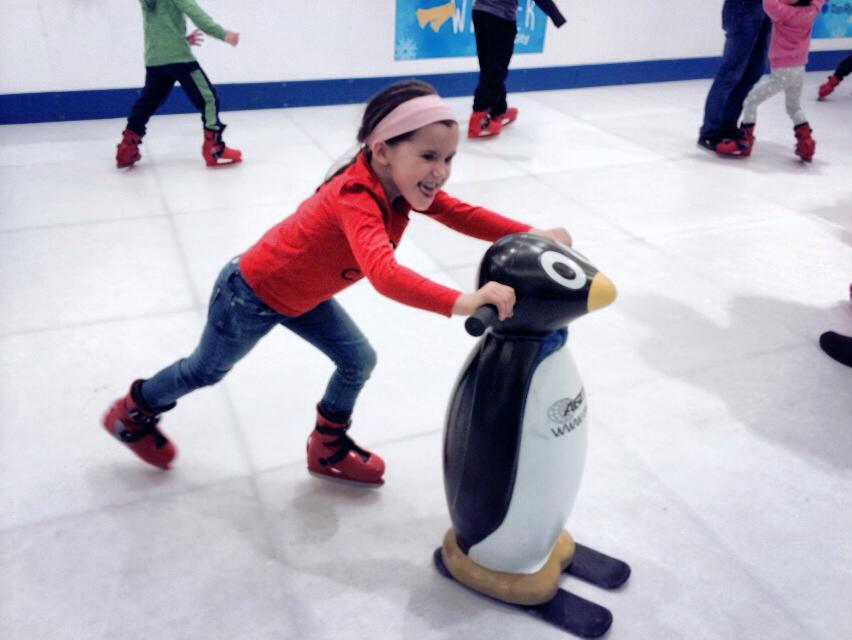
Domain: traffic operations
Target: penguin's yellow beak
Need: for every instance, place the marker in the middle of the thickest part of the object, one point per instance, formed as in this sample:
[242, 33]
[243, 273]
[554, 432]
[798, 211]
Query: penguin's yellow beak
[601, 293]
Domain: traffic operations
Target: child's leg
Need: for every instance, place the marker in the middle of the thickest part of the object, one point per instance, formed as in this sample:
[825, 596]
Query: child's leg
[767, 87]
[743, 62]
[200, 92]
[793, 79]
[330, 329]
[158, 84]
[236, 320]
[754, 69]
[844, 68]
[331, 452]
[495, 41]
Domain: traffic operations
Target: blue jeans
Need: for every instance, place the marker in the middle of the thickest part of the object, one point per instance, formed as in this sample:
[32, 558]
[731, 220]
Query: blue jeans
[747, 30]
[237, 319]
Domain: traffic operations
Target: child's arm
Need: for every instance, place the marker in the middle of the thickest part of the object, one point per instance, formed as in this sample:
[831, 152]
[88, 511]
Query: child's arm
[195, 38]
[779, 10]
[361, 222]
[470, 220]
[552, 11]
[483, 223]
[500, 295]
[204, 22]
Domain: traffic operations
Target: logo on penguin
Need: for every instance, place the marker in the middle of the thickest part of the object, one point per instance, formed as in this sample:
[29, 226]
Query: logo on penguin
[567, 413]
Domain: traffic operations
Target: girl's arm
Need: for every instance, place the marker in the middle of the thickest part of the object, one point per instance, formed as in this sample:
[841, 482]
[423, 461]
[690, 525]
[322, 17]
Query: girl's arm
[779, 10]
[552, 11]
[200, 19]
[483, 223]
[478, 222]
[361, 222]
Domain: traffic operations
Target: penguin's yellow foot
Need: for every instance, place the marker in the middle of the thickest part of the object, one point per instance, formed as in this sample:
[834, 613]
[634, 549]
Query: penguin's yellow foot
[515, 588]
[564, 549]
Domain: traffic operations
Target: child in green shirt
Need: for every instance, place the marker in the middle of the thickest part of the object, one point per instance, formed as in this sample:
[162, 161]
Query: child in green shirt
[168, 59]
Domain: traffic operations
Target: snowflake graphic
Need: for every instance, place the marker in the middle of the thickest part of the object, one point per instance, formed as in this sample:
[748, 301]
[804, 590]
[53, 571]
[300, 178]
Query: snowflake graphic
[406, 49]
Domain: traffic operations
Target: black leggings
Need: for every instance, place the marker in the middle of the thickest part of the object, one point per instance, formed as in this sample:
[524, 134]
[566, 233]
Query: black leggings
[159, 81]
[495, 41]
[844, 68]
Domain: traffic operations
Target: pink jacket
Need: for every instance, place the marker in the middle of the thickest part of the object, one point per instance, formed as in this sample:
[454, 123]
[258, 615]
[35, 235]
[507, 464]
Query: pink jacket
[791, 32]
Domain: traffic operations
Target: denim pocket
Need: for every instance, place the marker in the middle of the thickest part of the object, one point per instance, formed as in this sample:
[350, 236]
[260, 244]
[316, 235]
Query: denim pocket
[219, 310]
[246, 298]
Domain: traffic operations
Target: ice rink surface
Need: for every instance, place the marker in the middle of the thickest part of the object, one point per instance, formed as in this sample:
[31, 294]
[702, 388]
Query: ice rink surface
[720, 459]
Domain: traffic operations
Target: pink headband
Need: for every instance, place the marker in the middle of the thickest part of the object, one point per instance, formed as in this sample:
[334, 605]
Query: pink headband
[410, 115]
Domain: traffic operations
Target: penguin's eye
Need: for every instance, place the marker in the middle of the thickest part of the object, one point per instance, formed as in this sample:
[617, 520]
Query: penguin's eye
[563, 270]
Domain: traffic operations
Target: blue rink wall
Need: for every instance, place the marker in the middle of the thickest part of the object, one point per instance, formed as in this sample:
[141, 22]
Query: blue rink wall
[17, 108]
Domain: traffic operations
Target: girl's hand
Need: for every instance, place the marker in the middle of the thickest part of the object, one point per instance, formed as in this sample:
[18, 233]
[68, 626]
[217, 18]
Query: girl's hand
[560, 234]
[500, 295]
[232, 38]
[195, 38]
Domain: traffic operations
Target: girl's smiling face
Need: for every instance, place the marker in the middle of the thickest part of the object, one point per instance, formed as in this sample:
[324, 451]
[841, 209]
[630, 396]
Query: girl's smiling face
[418, 167]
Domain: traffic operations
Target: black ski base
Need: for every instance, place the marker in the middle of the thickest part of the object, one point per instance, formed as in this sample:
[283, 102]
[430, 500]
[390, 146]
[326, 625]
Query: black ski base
[565, 610]
[597, 568]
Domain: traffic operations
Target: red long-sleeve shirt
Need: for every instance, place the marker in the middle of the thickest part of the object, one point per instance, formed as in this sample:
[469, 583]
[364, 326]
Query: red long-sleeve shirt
[347, 230]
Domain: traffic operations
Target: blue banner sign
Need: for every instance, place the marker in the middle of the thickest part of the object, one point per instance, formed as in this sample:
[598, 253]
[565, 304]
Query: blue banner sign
[835, 21]
[444, 29]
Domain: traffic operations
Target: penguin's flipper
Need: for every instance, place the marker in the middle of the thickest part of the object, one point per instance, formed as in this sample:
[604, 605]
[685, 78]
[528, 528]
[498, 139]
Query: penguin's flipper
[565, 610]
[597, 568]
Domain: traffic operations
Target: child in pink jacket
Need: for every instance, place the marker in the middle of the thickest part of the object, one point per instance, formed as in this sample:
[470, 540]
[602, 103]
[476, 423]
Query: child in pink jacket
[792, 21]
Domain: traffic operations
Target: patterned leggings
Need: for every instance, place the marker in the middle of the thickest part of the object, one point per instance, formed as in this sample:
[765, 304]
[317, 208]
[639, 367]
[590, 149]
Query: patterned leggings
[788, 79]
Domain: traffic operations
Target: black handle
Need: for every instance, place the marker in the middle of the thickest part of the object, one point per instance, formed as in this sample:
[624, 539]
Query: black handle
[481, 319]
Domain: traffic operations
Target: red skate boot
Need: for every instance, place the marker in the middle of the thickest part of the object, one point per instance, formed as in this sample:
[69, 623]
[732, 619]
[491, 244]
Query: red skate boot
[131, 421]
[741, 146]
[828, 86]
[333, 454]
[482, 125]
[507, 117]
[805, 144]
[215, 152]
[747, 137]
[128, 149]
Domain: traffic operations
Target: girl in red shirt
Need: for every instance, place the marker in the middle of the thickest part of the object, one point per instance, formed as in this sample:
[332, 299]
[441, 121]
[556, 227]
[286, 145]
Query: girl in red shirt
[347, 230]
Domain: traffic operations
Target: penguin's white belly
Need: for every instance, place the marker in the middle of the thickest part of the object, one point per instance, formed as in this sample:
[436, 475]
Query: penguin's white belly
[550, 465]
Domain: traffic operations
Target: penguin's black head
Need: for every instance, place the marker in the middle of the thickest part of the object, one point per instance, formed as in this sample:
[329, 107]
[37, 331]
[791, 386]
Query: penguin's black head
[553, 283]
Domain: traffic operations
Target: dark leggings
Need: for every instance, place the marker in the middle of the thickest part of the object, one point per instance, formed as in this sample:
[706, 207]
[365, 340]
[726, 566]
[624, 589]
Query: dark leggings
[495, 41]
[159, 81]
[844, 68]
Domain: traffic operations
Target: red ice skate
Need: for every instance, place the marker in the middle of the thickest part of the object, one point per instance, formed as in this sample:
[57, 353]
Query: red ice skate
[828, 86]
[740, 146]
[483, 125]
[333, 454]
[805, 144]
[133, 423]
[128, 149]
[507, 117]
[216, 153]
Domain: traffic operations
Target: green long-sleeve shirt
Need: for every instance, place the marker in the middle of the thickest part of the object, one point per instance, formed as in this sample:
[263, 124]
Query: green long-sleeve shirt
[165, 30]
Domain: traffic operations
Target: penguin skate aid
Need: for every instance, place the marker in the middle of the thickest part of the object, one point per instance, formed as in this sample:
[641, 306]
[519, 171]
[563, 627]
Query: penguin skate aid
[515, 441]
[345, 232]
